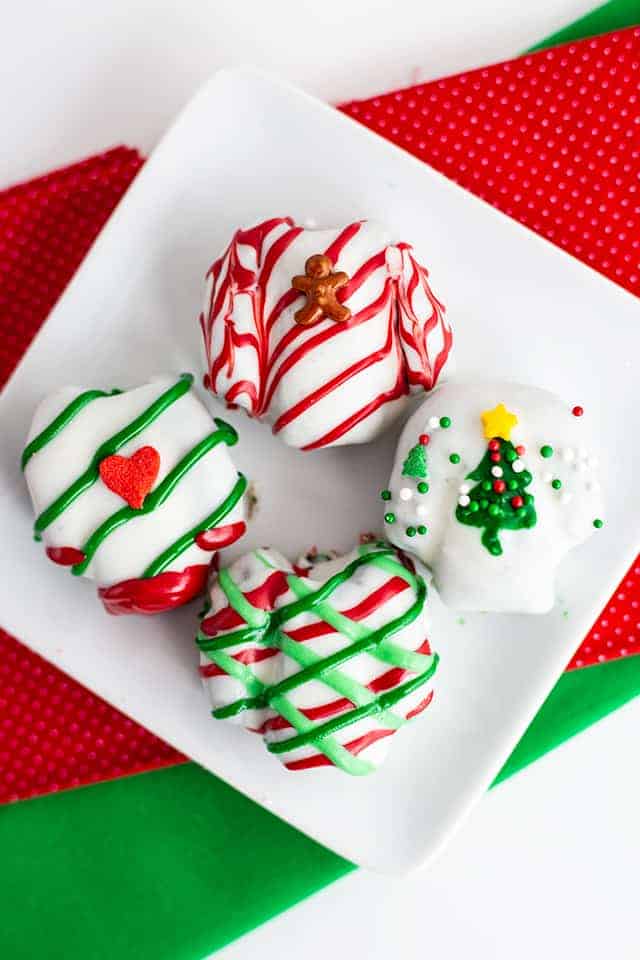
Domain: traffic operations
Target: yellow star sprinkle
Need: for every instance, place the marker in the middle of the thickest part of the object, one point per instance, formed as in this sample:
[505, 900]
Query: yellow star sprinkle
[498, 422]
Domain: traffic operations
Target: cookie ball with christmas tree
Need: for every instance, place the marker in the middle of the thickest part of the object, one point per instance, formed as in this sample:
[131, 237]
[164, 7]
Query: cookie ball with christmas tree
[493, 483]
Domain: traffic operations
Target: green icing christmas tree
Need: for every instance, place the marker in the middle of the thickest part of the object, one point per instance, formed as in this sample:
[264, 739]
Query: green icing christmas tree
[415, 464]
[499, 500]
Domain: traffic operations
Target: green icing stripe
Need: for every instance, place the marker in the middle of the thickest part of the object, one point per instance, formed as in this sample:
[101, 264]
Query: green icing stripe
[254, 616]
[340, 682]
[61, 421]
[239, 672]
[333, 726]
[188, 538]
[339, 755]
[109, 447]
[156, 497]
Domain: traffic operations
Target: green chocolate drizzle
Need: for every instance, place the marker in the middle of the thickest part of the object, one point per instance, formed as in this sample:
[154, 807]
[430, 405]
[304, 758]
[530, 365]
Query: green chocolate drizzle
[109, 447]
[269, 630]
[64, 417]
[187, 539]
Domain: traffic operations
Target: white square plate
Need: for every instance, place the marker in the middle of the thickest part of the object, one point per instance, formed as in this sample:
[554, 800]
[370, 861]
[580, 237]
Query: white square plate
[248, 147]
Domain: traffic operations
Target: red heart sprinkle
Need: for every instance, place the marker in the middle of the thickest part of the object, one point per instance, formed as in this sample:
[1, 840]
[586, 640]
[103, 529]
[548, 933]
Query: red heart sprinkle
[131, 477]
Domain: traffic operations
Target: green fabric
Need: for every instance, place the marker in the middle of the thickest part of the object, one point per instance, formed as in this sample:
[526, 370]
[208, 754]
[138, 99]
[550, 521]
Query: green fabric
[615, 15]
[580, 698]
[168, 865]
[172, 865]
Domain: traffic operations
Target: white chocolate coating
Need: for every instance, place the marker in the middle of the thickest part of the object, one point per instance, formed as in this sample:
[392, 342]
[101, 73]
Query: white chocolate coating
[330, 383]
[128, 550]
[466, 574]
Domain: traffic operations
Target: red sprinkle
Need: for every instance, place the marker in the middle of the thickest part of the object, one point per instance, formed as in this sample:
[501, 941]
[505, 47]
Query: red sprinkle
[517, 502]
[577, 411]
[494, 444]
[131, 477]
[424, 439]
[520, 450]
[495, 457]
[499, 486]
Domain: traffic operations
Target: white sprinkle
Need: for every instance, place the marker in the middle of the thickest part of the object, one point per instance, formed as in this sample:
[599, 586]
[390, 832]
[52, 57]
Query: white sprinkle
[464, 500]
[547, 477]
[566, 498]
[421, 510]
[405, 493]
[433, 423]
[464, 487]
[496, 471]
[568, 454]
[517, 466]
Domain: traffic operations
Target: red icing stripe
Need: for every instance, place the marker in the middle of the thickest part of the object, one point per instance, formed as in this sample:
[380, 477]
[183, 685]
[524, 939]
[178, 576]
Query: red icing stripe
[382, 595]
[65, 556]
[354, 747]
[324, 334]
[219, 537]
[398, 390]
[330, 385]
[421, 706]
[155, 594]
[252, 655]
[262, 597]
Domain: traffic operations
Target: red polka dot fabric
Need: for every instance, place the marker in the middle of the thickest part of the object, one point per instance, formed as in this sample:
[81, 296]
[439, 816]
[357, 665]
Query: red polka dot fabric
[551, 139]
[53, 733]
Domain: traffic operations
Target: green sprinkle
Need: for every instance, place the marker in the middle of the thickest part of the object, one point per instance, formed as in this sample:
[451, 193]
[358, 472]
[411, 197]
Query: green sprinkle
[423, 487]
[473, 506]
[386, 494]
[525, 478]
[511, 455]
[546, 451]
[454, 458]
[411, 531]
[484, 503]
[598, 523]
[389, 518]
[512, 484]
[486, 485]
[494, 510]
[556, 484]
[422, 529]
[445, 422]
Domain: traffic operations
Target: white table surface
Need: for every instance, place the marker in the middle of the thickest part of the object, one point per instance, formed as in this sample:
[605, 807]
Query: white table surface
[547, 865]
